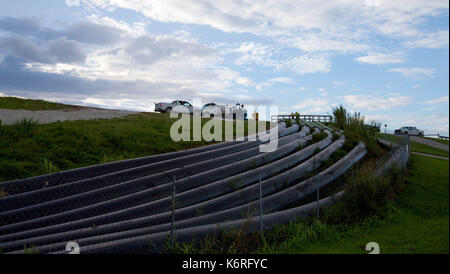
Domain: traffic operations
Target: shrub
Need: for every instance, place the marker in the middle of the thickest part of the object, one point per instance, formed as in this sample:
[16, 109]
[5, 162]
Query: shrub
[26, 126]
[288, 122]
[365, 195]
[49, 166]
[318, 137]
[297, 118]
[355, 130]
[340, 117]
[335, 136]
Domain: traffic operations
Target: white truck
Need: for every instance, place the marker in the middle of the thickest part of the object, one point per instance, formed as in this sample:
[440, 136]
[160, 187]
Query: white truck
[226, 111]
[177, 106]
[409, 131]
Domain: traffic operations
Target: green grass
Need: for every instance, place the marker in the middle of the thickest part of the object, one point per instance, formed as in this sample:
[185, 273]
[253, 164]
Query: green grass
[416, 147]
[28, 149]
[417, 222]
[445, 142]
[29, 104]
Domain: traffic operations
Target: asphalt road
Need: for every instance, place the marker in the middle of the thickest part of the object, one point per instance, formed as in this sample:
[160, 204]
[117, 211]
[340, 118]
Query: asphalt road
[429, 142]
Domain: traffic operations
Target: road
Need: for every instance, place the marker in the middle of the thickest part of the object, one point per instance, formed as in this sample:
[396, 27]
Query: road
[429, 142]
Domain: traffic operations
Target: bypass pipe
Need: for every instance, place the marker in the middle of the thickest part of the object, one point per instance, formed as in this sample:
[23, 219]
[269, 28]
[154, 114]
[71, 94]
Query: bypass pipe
[129, 194]
[71, 188]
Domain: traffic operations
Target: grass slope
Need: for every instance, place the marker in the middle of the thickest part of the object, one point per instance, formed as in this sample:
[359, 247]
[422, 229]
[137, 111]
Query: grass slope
[446, 142]
[418, 221]
[416, 147]
[28, 149]
[29, 104]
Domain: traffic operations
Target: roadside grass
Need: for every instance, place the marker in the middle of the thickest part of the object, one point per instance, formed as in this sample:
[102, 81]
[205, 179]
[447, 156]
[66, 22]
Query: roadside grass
[29, 149]
[445, 142]
[417, 222]
[416, 147]
[30, 104]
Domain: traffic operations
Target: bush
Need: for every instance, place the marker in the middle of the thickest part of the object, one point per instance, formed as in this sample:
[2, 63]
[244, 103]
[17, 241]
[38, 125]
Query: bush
[288, 123]
[26, 126]
[318, 137]
[49, 166]
[340, 117]
[356, 131]
[365, 195]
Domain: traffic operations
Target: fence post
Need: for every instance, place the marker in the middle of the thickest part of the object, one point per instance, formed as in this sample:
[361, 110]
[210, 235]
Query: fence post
[318, 198]
[317, 190]
[261, 224]
[172, 227]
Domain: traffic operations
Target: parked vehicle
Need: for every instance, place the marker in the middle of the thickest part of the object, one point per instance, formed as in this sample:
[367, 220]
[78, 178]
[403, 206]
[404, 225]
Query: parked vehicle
[176, 106]
[213, 110]
[225, 111]
[409, 131]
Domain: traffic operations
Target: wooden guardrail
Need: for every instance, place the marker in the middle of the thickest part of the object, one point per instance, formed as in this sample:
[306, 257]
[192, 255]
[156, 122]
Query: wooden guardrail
[304, 117]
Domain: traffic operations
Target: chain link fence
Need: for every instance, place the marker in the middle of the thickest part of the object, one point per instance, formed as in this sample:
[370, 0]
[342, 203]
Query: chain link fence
[126, 208]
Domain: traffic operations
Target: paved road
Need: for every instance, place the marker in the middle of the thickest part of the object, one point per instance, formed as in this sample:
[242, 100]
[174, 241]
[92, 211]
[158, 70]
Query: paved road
[430, 155]
[11, 116]
[429, 142]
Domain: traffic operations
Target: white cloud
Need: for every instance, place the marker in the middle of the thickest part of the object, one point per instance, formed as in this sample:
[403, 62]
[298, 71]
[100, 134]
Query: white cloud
[415, 86]
[312, 105]
[277, 57]
[437, 39]
[272, 81]
[337, 84]
[416, 73]
[443, 99]
[72, 3]
[374, 102]
[327, 41]
[381, 58]
[399, 17]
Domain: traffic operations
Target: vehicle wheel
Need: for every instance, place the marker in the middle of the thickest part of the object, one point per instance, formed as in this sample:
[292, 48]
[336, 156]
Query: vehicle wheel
[211, 116]
[420, 134]
[168, 110]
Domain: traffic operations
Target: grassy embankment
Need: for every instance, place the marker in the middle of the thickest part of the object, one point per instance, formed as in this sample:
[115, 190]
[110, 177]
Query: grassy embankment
[417, 222]
[30, 149]
[445, 142]
[30, 104]
[417, 147]
[402, 212]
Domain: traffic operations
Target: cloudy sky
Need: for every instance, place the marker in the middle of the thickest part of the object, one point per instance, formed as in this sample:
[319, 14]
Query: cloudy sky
[388, 60]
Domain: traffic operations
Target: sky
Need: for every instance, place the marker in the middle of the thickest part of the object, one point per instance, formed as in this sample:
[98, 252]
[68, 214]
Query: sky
[388, 60]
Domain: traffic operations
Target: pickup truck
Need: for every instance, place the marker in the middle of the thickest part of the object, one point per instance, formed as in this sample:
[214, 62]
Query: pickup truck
[409, 131]
[225, 111]
[176, 106]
